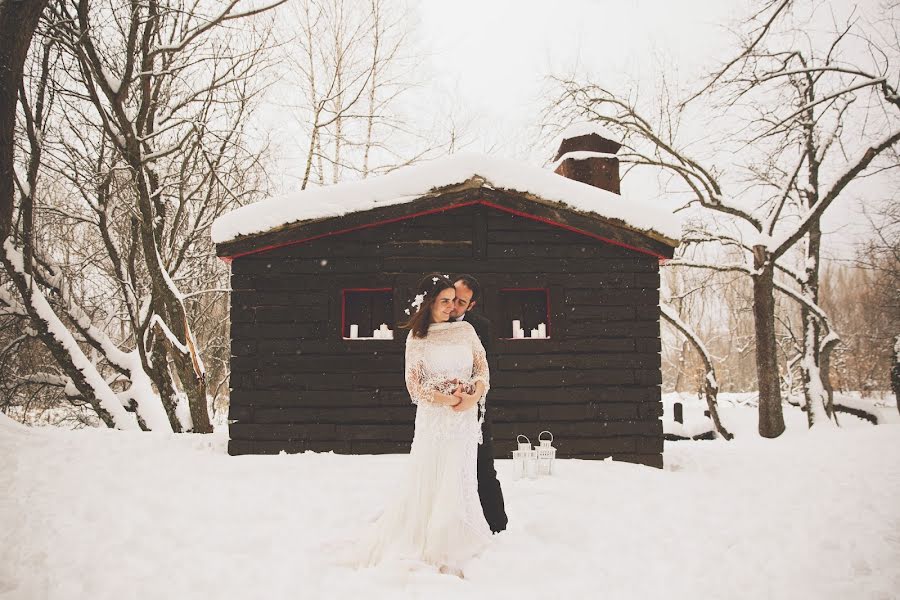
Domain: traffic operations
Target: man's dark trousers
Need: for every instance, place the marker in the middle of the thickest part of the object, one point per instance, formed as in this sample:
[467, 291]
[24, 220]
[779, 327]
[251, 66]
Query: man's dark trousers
[488, 486]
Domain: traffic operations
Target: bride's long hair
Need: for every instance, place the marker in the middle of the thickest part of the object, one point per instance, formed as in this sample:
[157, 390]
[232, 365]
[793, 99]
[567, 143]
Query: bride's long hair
[428, 289]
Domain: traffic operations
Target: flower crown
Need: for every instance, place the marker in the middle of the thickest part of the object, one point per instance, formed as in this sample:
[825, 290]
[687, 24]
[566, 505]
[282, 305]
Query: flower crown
[420, 298]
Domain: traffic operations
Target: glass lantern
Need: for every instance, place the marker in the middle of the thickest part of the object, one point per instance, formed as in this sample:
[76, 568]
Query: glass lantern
[524, 459]
[546, 454]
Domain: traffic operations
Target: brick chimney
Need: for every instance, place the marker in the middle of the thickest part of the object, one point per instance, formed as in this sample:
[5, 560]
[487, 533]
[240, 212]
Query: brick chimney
[588, 155]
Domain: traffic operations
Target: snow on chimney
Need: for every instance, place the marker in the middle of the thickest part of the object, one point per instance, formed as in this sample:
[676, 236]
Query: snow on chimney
[587, 154]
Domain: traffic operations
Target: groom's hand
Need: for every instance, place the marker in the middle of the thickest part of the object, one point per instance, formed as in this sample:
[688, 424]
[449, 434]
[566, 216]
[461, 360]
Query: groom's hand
[466, 401]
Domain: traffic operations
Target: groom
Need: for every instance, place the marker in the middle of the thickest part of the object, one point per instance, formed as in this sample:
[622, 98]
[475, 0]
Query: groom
[468, 292]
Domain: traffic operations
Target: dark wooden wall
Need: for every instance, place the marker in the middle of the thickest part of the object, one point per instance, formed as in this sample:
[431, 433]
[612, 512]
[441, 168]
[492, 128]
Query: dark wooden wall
[297, 385]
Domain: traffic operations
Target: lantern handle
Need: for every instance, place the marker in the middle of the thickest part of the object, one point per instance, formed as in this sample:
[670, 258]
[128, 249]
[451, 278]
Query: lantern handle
[522, 436]
[542, 433]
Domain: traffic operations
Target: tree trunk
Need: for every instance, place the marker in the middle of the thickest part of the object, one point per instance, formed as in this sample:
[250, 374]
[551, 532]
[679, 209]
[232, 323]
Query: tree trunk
[710, 382]
[815, 392]
[91, 386]
[895, 372]
[825, 370]
[771, 418]
[169, 306]
[680, 374]
[18, 20]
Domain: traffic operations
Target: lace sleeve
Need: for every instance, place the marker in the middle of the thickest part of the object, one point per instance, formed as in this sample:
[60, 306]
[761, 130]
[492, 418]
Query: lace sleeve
[480, 372]
[415, 372]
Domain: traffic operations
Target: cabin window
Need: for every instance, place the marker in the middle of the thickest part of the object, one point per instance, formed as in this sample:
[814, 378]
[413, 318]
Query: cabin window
[367, 314]
[525, 313]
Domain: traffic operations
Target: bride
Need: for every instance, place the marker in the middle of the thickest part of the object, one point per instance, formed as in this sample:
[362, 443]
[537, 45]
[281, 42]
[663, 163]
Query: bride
[437, 517]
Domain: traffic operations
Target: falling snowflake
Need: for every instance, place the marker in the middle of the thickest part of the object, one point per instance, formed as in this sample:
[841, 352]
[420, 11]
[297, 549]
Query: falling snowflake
[434, 279]
[418, 300]
[323, 262]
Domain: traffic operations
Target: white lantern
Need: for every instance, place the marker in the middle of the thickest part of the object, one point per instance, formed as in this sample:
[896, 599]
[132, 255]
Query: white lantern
[546, 454]
[524, 459]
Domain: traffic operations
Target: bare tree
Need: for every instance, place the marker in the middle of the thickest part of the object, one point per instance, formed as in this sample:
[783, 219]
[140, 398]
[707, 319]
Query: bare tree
[349, 66]
[710, 385]
[880, 257]
[136, 109]
[798, 101]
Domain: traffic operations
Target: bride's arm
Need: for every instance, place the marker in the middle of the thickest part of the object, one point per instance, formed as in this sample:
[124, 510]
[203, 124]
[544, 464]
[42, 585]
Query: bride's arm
[480, 377]
[421, 386]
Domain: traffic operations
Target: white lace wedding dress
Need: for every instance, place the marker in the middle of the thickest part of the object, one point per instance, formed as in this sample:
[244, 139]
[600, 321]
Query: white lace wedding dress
[436, 516]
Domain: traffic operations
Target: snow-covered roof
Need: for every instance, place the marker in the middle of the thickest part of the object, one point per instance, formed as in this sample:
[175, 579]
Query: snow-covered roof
[579, 129]
[424, 179]
[578, 155]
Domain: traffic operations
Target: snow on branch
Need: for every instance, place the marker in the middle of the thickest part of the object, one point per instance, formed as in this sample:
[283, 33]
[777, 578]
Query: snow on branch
[53, 380]
[817, 102]
[42, 310]
[147, 402]
[158, 321]
[780, 245]
[12, 306]
[758, 36]
[735, 267]
[224, 15]
[711, 384]
[703, 237]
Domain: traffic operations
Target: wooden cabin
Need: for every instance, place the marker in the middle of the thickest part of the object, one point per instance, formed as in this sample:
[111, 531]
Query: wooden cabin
[573, 255]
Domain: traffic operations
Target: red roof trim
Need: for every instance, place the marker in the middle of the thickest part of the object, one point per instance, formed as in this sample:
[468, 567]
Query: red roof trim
[573, 229]
[228, 259]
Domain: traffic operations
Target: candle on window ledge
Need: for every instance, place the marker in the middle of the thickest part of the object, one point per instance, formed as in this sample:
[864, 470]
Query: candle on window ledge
[518, 334]
[517, 326]
[534, 333]
[542, 330]
[354, 331]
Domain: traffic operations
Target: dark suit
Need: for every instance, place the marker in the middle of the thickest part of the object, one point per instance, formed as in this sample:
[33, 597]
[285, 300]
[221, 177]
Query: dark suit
[488, 486]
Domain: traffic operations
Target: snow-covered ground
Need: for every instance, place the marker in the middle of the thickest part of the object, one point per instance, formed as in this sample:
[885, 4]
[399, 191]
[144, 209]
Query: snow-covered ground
[105, 514]
[737, 419]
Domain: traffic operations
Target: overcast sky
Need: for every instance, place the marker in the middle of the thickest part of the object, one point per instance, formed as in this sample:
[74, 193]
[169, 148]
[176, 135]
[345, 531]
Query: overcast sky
[496, 54]
[488, 61]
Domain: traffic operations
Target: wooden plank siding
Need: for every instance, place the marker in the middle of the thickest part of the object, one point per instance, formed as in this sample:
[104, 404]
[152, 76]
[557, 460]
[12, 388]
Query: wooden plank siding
[296, 384]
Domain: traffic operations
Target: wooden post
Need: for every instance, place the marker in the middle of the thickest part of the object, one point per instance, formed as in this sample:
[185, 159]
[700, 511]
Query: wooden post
[679, 413]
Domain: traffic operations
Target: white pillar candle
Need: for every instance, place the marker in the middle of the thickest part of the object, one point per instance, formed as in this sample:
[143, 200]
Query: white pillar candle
[354, 331]
[517, 325]
[534, 333]
[542, 330]
[518, 334]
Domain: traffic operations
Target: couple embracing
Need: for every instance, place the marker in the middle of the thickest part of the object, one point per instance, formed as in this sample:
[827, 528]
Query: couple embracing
[449, 501]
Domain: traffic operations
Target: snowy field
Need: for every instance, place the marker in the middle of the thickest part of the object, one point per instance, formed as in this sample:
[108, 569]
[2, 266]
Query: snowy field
[102, 514]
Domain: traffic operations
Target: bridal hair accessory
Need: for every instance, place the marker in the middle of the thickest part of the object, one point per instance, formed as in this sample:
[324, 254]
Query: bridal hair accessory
[419, 299]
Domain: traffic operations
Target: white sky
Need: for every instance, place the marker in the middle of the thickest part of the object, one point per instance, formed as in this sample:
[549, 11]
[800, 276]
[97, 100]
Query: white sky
[488, 62]
[496, 54]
